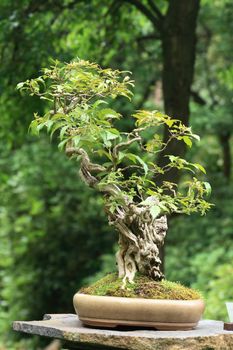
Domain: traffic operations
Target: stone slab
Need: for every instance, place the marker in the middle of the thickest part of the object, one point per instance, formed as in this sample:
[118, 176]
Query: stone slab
[207, 336]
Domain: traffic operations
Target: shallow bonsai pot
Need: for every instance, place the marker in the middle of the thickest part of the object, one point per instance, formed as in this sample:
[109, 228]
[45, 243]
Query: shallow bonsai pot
[107, 311]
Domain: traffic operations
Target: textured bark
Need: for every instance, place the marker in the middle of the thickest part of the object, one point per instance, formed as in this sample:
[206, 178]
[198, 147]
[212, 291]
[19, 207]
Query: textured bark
[140, 237]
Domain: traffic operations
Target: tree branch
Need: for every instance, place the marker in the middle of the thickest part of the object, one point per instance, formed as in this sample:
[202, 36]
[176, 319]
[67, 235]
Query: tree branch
[151, 36]
[197, 98]
[156, 10]
[122, 144]
[143, 9]
[86, 170]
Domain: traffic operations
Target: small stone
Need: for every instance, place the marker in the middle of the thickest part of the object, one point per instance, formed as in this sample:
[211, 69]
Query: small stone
[228, 326]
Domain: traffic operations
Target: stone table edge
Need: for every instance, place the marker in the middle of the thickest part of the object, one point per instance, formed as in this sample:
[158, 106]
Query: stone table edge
[132, 341]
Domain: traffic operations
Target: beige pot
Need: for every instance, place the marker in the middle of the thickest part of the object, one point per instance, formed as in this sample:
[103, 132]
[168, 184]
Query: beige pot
[105, 311]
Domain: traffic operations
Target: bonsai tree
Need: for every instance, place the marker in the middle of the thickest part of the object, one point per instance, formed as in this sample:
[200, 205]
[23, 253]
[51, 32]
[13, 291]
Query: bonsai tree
[121, 165]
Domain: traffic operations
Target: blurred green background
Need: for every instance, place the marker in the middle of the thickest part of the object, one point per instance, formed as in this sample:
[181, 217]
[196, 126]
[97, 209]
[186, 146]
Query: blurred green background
[54, 236]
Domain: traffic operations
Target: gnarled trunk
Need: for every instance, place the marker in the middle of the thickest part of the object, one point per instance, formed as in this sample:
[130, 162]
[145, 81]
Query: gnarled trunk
[140, 237]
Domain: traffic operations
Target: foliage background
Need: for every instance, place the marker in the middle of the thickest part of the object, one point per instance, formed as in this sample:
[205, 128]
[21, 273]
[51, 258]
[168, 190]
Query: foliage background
[53, 232]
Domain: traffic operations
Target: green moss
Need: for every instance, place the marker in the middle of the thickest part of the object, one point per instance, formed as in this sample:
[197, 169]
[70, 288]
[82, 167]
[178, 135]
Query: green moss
[143, 287]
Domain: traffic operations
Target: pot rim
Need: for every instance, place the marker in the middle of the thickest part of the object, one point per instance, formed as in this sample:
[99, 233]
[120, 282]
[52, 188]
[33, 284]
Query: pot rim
[139, 299]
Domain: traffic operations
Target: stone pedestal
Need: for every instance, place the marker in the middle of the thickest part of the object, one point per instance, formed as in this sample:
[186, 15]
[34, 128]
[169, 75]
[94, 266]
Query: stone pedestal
[208, 335]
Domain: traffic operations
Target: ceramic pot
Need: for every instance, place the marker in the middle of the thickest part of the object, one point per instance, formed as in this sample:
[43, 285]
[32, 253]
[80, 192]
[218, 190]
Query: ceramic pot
[107, 311]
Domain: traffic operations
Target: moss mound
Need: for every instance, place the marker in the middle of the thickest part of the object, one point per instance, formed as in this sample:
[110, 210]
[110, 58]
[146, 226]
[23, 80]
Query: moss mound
[144, 287]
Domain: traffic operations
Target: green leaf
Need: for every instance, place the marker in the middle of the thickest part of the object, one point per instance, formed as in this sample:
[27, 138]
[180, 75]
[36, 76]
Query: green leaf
[200, 167]
[150, 192]
[172, 158]
[147, 201]
[99, 102]
[58, 116]
[102, 152]
[49, 125]
[107, 164]
[164, 207]
[63, 130]
[20, 85]
[187, 140]
[105, 139]
[108, 113]
[144, 165]
[172, 206]
[33, 128]
[155, 211]
[169, 122]
[112, 208]
[55, 127]
[207, 188]
[121, 155]
[76, 140]
[113, 133]
[41, 126]
[131, 157]
[196, 137]
[46, 98]
[62, 144]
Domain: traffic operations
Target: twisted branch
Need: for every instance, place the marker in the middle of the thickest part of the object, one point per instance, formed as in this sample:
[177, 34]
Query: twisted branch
[124, 144]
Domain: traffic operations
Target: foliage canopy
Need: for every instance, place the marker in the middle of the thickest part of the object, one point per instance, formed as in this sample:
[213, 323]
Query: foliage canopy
[79, 93]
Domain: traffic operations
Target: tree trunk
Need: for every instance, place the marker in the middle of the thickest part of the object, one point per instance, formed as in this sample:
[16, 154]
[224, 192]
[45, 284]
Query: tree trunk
[178, 45]
[140, 237]
[226, 150]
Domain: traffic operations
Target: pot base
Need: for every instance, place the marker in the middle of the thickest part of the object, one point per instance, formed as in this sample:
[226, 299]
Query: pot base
[160, 314]
[102, 323]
